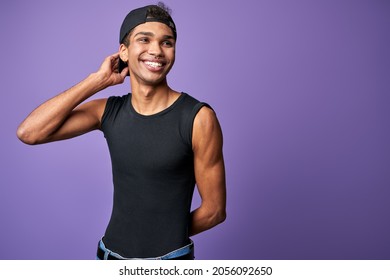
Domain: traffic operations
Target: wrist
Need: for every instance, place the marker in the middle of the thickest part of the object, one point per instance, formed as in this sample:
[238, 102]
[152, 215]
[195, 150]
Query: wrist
[99, 80]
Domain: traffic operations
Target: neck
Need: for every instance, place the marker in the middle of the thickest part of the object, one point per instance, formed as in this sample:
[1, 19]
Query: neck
[151, 99]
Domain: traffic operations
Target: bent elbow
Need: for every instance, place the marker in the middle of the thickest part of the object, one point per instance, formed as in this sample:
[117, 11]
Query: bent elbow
[218, 217]
[221, 217]
[25, 136]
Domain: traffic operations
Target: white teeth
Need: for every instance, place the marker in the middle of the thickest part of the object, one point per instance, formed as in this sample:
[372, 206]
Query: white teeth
[153, 64]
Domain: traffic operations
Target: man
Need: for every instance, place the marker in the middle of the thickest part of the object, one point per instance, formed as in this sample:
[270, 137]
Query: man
[161, 143]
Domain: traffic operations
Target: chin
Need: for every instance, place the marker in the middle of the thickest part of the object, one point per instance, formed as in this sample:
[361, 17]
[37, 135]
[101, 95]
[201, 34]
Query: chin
[154, 82]
[150, 79]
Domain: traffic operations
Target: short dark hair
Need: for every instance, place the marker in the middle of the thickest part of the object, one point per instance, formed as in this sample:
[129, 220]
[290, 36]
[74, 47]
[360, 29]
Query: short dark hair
[159, 12]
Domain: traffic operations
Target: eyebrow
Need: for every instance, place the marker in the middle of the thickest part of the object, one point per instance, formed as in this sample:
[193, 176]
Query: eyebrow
[151, 34]
[145, 34]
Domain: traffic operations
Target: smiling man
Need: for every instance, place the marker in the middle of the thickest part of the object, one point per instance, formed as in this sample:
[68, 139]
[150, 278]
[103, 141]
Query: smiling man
[162, 143]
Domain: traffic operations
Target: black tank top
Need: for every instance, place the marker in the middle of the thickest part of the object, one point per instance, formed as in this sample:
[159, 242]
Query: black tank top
[153, 175]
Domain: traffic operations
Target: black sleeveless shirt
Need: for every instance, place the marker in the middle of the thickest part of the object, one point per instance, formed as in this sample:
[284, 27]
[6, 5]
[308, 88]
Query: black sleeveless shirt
[153, 175]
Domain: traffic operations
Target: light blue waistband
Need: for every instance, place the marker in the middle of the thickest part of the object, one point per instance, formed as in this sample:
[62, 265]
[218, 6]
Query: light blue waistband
[171, 255]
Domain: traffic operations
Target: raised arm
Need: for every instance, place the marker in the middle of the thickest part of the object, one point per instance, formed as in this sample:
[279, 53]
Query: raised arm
[209, 172]
[61, 117]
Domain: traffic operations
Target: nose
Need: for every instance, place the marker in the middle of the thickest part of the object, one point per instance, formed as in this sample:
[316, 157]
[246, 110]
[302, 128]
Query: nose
[155, 49]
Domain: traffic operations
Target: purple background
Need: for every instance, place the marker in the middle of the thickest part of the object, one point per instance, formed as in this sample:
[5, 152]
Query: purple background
[301, 89]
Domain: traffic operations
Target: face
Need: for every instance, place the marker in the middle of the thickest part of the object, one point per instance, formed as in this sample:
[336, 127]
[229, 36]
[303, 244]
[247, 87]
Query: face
[151, 53]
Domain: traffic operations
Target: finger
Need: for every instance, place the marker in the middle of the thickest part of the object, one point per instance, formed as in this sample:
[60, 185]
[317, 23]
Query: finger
[115, 55]
[112, 58]
[115, 63]
[124, 72]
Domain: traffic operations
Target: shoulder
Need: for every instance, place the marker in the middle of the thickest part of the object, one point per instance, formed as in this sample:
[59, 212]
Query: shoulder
[206, 129]
[112, 107]
[117, 100]
[195, 109]
[205, 117]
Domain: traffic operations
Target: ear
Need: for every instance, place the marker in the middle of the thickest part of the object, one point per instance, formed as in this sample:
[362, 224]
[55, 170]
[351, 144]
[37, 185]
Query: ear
[123, 53]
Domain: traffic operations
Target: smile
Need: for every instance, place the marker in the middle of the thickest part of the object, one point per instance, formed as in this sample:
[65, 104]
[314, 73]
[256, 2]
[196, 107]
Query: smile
[153, 64]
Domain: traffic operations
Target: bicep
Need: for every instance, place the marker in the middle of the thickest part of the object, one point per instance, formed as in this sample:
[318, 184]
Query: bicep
[84, 118]
[208, 158]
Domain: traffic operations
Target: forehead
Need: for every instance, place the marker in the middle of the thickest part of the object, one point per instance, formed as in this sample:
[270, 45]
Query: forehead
[155, 28]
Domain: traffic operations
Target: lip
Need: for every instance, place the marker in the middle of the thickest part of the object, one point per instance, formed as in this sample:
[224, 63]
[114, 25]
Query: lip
[148, 64]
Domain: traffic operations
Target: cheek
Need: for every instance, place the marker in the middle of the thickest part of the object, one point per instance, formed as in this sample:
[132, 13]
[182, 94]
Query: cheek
[171, 55]
[135, 51]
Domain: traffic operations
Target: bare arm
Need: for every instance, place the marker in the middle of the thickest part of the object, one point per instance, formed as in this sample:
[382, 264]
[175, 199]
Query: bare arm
[59, 118]
[209, 172]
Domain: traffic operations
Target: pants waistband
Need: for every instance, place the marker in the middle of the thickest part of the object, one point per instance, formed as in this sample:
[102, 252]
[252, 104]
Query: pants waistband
[185, 252]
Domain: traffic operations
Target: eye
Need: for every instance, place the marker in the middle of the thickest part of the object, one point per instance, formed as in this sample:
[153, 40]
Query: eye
[167, 43]
[143, 40]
